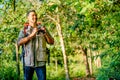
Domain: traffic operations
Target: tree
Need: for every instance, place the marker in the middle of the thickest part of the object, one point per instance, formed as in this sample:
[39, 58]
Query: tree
[62, 45]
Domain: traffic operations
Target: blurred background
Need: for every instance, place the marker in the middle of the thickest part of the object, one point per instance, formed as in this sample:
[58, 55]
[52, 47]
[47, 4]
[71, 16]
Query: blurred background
[86, 34]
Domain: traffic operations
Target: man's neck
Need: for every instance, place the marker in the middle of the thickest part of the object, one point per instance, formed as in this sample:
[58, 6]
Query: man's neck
[33, 25]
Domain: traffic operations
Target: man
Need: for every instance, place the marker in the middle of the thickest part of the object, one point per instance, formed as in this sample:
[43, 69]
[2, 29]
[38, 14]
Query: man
[34, 38]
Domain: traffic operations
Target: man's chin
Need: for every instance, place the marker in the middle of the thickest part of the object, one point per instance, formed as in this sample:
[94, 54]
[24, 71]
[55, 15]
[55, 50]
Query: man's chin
[34, 21]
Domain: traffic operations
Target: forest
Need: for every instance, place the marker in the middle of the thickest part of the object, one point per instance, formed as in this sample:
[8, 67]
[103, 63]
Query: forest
[86, 34]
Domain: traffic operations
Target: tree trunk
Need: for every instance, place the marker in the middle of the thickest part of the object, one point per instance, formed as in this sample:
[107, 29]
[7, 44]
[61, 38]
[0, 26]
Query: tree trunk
[86, 61]
[90, 62]
[17, 62]
[56, 64]
[98, 61]
[63, 48]
[62, 45]
[14, 7]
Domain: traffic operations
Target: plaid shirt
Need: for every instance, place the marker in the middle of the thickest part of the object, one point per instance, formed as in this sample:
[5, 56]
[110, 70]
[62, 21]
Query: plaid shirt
[35, 49]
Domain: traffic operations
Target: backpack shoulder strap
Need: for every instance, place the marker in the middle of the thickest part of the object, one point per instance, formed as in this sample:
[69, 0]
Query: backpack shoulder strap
[26, 26]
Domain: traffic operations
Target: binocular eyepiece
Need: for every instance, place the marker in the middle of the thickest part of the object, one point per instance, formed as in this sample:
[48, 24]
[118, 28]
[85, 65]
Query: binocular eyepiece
[39, 29]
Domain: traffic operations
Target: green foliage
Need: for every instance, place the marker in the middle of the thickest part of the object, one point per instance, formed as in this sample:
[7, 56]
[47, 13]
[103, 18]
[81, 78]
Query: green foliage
[111, 56]
[8, 70]
[76, 70]
[56, 72]
[110, 69]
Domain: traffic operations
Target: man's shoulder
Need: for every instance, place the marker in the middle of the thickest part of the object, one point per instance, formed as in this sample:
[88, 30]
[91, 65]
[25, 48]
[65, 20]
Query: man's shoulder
[22, 31]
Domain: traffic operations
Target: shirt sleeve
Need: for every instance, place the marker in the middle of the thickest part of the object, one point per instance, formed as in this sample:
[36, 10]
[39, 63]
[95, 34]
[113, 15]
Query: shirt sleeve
[21, 35]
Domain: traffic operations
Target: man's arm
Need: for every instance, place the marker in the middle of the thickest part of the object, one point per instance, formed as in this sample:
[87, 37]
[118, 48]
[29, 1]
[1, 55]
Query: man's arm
[28, 38]
[49, 38]
[23, 40]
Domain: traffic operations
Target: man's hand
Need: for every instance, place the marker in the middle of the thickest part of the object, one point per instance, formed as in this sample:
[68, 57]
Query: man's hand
[42, 29]
[48, 37]
[33, 33]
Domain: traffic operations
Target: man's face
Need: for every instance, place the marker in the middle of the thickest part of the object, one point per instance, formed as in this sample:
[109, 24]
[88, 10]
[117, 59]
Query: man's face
[32, 17]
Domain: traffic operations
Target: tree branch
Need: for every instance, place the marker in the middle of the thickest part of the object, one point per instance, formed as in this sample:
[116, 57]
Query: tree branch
[52, 19]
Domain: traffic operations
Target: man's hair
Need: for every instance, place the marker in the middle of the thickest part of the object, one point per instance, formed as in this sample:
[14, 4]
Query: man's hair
[30, 12]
